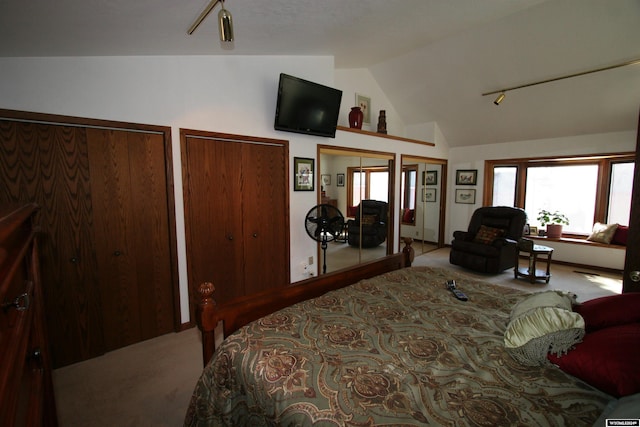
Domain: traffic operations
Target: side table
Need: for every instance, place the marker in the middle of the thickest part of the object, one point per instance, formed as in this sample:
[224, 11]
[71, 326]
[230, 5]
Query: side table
[530, 271]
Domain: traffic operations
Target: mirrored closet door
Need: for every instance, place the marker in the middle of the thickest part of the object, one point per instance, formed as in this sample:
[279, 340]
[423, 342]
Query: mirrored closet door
[360, 184]
[422, 201]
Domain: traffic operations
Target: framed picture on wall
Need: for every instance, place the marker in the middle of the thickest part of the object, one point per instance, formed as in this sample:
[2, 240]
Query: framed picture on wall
[466, 196]
[429, 177]
[364, 102]
[466, 176]
[326, 179]
[340, 180]
[429, 195]
[303, 174]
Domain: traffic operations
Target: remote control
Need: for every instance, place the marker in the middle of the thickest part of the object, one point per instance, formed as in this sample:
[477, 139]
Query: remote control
[451, 285]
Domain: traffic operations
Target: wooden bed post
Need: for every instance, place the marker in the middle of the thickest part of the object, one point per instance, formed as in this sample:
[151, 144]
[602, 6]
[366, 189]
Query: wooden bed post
[408, 251]
[207, 319]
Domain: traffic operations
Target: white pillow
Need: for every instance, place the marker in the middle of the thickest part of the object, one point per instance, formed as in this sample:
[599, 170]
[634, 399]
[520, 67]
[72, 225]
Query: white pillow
[602, 233]
[541, 323]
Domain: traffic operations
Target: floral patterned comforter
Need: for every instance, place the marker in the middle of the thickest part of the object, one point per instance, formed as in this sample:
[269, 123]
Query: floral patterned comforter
[398, 350]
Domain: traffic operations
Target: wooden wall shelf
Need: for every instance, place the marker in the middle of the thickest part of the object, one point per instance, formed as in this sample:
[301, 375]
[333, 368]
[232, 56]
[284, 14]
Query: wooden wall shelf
[383, 135]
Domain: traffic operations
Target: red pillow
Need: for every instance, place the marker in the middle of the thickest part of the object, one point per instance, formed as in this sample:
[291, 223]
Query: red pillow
[620, 236]
[611, 310]
[407, 216]
[607, 359]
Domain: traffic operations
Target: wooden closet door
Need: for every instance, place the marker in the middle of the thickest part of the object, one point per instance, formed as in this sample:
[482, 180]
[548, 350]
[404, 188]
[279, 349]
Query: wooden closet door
[265, 217]
[109, 269]
[236, 213]
[48, 165]
[128, 189]
[213, 215]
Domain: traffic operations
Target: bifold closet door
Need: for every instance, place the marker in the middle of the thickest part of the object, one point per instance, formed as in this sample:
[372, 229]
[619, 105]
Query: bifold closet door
[236, 213]
[265, 217]
[213, 215]
[105, 239]
[48, 164]
[128, 191]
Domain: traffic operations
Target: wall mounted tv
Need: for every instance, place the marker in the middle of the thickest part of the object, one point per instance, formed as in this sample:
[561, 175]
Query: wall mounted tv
[307, 107]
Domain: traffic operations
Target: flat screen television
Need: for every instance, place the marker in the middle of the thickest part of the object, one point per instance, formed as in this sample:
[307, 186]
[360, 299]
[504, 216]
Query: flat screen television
[307, 107]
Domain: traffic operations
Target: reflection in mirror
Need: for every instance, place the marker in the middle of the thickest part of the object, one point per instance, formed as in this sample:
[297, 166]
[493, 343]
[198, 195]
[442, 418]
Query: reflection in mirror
[423, 187]
[408, 189]
[358, 183]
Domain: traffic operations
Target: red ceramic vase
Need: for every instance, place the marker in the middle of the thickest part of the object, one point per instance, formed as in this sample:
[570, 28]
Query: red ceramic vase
[355, 118]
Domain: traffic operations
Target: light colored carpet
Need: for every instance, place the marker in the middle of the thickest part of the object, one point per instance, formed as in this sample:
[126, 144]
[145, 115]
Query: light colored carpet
[584, 282]
[342, 255]
[150, 383]
[146, 384]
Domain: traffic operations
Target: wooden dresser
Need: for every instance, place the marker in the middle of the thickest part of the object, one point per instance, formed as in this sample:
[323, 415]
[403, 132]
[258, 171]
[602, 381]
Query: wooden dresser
[26, 388]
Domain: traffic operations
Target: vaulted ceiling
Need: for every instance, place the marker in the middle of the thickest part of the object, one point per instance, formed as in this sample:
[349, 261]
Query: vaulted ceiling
[433, 58]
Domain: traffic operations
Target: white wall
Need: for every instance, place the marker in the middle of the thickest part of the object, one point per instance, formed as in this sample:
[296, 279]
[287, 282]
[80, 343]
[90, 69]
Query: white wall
[237, 94]
[360, 81]
[458, 215]
[231, 94]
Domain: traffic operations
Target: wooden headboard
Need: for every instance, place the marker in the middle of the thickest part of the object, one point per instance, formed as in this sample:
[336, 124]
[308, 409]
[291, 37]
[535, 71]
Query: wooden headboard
[251, 307]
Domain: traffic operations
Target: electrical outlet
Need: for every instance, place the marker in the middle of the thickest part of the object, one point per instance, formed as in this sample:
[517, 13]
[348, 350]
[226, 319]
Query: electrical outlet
[306, 270]
[311, 260]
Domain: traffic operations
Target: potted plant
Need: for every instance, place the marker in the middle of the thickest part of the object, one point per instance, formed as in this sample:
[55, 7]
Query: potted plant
[554, 222]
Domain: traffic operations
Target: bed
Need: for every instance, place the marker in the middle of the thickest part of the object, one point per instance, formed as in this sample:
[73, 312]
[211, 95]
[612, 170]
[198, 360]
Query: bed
[394, 349]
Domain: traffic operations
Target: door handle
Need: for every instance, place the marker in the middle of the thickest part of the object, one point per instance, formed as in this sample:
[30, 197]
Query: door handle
[635, 276]
[117, 253]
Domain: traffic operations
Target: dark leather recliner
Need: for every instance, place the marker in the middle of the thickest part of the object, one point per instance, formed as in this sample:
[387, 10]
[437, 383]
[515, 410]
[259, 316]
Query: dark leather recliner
[483, 253]
[374, 216]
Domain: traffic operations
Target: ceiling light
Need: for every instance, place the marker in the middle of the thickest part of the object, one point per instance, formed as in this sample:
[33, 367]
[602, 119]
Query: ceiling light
[225, 24]
[500, 98]
[225, 21]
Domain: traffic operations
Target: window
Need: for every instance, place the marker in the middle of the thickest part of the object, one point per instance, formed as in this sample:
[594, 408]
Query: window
[368, 183]
[585, 189]
[504, 186]
[408, 188]
[620, 192]
[567, 189]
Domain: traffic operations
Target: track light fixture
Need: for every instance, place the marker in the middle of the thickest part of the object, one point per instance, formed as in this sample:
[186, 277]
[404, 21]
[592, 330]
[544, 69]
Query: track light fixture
[500, 97]
[225, 24]
[225, 21]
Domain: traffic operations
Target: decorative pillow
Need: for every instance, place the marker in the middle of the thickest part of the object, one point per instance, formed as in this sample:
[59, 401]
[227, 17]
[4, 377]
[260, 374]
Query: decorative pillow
[407, 216]
[602, 233]
[541, 323]
[620, 236]
[609, 311]
[369, 219]
[607, 359]
[487, 235]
